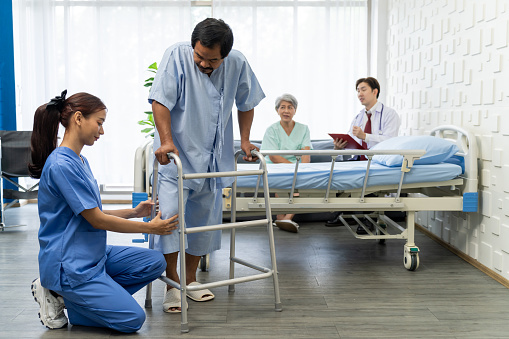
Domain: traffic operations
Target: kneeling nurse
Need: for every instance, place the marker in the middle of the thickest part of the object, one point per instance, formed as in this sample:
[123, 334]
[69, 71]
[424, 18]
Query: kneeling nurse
[78, 270]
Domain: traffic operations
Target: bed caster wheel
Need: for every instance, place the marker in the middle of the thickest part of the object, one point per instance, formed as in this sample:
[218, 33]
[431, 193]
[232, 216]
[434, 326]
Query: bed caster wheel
[411, 259]
[204, 262]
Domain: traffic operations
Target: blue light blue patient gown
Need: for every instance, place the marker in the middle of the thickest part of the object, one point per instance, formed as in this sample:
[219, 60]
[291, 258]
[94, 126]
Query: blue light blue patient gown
[202, 130]
[275, 138]
[96, 280]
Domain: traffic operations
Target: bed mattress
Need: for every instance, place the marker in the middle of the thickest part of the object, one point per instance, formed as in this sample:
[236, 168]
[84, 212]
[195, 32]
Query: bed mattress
[347, 175]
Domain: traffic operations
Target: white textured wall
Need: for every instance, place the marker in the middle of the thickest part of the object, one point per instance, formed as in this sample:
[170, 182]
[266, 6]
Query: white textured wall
[448, 63]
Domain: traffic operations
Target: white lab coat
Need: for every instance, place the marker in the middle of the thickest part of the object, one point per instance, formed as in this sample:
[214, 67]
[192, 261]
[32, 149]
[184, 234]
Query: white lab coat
[385, 124]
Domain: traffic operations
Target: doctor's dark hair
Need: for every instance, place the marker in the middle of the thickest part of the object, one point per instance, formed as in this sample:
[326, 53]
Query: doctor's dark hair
[211, 32]
[372, 82]
[46, 120]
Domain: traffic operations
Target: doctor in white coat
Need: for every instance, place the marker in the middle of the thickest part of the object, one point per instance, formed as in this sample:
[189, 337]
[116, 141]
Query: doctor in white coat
[375, 123]
[385, 121]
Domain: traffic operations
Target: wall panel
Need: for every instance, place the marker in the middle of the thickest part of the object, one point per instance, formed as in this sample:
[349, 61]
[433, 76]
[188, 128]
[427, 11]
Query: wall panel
[449, 64]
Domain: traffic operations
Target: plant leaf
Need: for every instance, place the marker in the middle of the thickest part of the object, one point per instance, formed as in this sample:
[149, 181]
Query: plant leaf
[149, 121]
[146, 130]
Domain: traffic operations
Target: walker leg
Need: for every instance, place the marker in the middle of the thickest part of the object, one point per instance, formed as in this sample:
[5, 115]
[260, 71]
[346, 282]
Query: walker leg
[184, 328]
[231, 288]
[272, 246]
[184, 325]
[148, 296]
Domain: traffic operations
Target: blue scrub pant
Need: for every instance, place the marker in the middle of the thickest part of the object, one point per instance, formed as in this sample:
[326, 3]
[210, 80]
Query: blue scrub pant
[202, 208]
[106, 299]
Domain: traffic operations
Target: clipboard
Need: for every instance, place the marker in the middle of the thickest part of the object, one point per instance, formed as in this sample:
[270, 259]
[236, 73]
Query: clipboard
[351, 143]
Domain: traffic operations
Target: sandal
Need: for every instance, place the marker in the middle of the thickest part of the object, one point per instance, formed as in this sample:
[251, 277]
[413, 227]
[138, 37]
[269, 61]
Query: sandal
[202, 295]
[287, 225]
[172, 302]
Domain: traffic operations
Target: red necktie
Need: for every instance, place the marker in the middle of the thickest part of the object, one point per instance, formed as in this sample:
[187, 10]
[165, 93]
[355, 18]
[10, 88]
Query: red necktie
[367, 130]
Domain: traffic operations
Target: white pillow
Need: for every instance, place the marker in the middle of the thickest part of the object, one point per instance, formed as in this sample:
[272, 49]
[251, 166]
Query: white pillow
[437, 150]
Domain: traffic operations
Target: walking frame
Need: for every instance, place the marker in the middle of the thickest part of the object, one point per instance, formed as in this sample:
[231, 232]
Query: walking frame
[266, 272]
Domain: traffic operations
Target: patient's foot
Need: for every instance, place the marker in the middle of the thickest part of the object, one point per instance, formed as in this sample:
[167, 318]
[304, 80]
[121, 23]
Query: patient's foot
[337, 221]
[172, 301]
[368, 224]
[287, 225]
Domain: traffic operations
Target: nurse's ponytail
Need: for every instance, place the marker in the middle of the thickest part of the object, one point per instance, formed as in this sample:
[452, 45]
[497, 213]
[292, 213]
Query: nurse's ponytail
[46, 121]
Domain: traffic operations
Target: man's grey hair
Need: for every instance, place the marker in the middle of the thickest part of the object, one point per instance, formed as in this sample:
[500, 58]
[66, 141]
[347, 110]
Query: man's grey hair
[286, 97]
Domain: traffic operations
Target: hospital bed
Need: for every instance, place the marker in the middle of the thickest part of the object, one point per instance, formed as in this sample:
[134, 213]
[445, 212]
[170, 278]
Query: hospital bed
[365, 186]
[360, 186]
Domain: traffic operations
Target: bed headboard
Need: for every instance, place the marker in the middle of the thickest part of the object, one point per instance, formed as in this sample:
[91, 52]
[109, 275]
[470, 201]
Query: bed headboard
[466, 142]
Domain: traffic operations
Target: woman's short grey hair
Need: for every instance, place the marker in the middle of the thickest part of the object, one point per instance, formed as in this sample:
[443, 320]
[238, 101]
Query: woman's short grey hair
[286, 97]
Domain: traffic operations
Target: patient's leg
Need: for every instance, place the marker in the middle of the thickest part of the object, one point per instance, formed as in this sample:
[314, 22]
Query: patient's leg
[285, 216]
[284, 221]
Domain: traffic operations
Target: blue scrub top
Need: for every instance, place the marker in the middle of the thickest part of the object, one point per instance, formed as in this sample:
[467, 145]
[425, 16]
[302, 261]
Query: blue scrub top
[69, 244]
[201, 109]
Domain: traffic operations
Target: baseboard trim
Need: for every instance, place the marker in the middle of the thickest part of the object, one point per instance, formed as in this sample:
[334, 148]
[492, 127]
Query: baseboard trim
[489, 272]
[104, 201]
[20, 203]
[116, 201]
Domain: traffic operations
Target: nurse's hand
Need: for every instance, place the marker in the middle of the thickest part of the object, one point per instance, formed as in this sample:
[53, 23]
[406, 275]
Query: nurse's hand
[247, 147]
[162, 152]
[339, 144]
[163, 227]
[143, 209]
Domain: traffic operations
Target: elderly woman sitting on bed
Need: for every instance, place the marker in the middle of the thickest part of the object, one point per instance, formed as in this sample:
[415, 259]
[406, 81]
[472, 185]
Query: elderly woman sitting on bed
[286, 134]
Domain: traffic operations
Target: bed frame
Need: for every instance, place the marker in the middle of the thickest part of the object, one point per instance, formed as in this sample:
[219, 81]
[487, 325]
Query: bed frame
[459, 194]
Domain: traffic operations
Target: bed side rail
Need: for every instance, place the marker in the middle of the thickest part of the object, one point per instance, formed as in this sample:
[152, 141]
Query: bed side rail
[409, 156]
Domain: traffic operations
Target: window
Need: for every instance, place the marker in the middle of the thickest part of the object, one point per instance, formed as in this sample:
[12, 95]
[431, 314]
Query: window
[315, 50]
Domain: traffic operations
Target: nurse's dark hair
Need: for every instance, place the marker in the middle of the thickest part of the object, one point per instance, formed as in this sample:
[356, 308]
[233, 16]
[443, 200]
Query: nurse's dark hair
[211, 32]
[372, 82]
[46, 121]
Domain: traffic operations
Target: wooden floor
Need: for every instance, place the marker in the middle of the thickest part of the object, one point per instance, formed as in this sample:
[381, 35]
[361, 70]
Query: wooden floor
[332, 286]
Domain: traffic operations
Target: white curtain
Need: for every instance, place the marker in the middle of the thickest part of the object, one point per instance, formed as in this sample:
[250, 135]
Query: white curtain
[315, 50]
[101, 47]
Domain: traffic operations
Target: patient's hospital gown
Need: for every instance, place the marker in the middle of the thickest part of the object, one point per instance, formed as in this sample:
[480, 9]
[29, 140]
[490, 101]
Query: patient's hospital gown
[275, 138]
[202, 131]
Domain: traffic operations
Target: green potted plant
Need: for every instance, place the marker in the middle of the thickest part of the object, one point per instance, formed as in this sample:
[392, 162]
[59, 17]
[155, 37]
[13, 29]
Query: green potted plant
[149, 120]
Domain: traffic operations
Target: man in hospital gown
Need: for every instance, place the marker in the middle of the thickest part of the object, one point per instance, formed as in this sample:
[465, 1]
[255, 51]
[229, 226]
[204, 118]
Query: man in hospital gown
[192, 98]
[374, 123]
